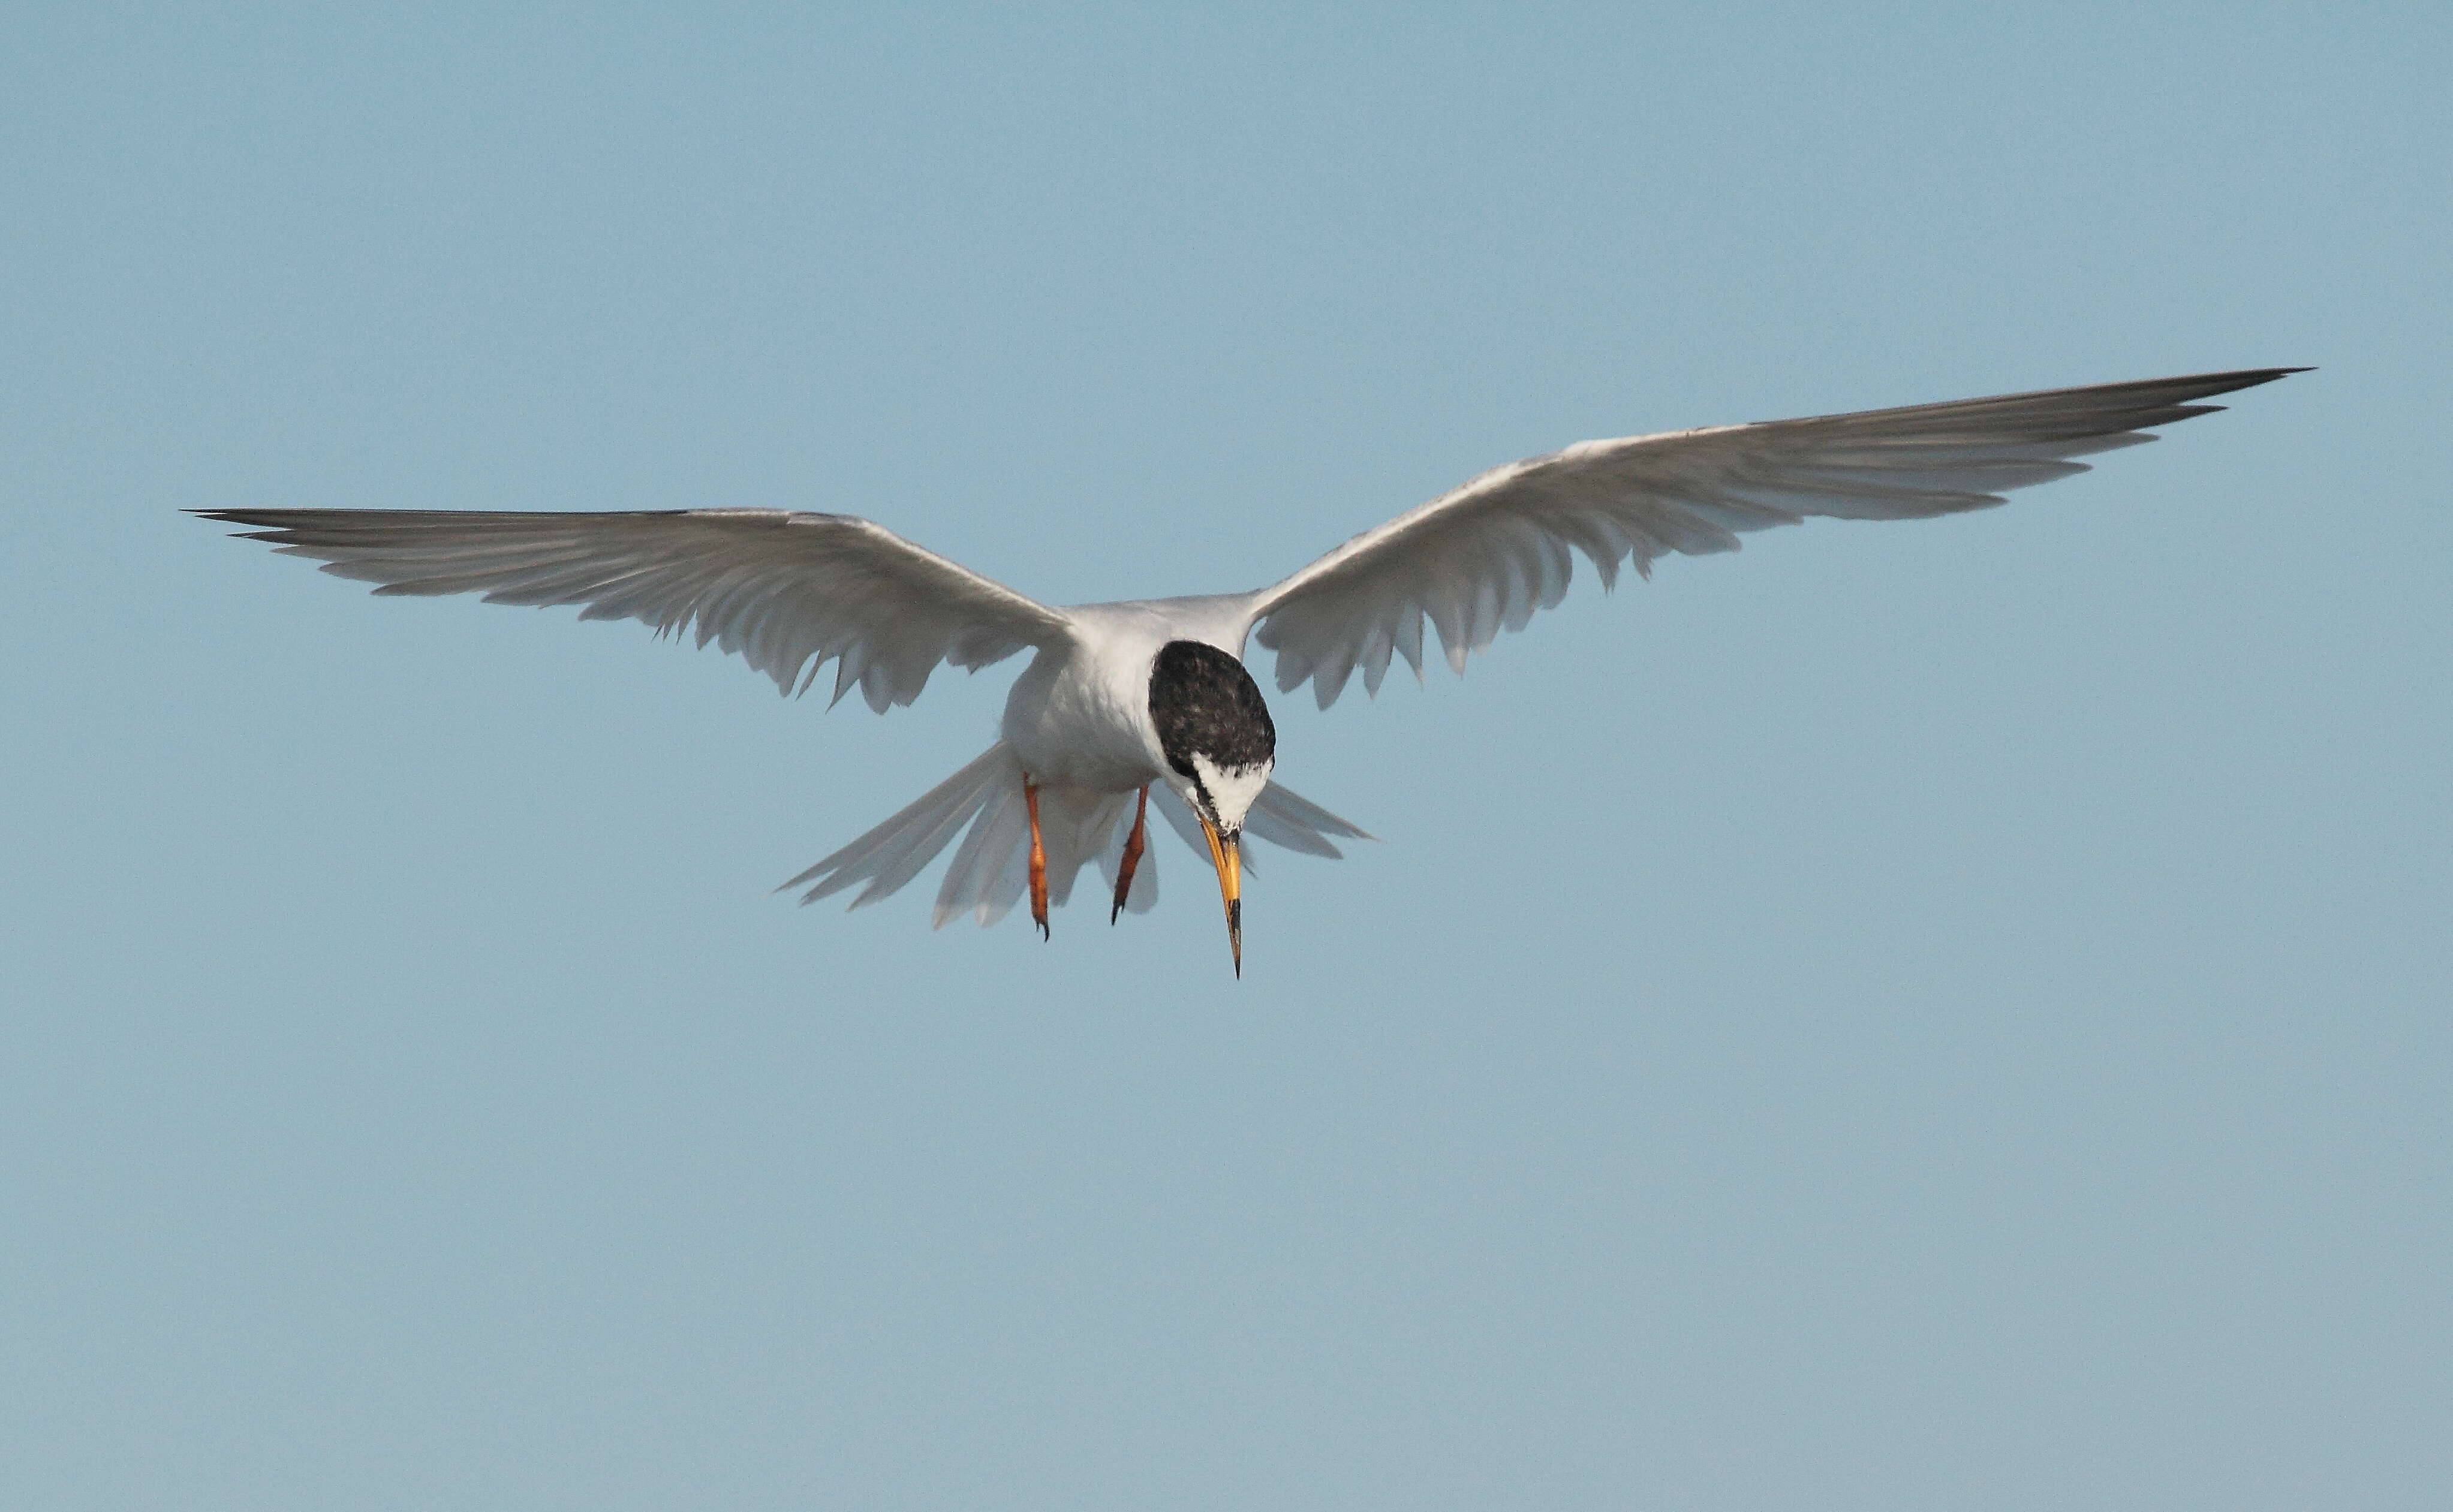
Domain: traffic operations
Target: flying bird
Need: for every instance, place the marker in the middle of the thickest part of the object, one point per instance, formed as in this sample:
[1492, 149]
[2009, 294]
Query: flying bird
[1127, 702]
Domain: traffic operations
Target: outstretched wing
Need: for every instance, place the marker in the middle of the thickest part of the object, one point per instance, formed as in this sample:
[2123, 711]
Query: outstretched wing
[785, 591]
[1483, 557]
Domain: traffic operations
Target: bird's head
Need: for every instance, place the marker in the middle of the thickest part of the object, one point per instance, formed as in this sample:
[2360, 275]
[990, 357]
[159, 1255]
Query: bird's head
[1214, 730]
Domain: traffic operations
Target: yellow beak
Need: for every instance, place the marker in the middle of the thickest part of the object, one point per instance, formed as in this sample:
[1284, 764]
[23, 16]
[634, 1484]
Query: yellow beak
[1227, 856]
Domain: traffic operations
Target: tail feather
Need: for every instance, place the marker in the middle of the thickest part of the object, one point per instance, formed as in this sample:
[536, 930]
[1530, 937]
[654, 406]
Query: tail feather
[1282, 817]
[923, 848]
[895, 851]
[989, 872]
[1112, 860]
[1279, 816]
[1077, 826]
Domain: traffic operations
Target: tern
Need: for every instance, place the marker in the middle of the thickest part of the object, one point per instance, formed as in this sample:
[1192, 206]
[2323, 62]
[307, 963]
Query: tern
[1123, 700]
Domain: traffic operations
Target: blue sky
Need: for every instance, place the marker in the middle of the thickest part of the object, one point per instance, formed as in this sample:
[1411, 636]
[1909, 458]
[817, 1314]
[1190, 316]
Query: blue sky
[1908, 1015]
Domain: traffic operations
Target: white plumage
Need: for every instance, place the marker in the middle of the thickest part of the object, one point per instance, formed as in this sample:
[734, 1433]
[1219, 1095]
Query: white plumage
[791, 591]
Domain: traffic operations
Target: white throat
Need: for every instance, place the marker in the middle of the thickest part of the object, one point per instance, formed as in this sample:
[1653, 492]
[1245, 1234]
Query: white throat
[1232, 789]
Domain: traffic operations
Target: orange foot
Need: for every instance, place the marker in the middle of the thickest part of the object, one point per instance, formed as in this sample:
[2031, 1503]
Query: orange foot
[1132, 854]
[1038, 860]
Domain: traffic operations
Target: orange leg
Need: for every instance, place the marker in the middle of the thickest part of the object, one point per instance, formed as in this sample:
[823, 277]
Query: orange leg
[1132, 854]
[1038, 860]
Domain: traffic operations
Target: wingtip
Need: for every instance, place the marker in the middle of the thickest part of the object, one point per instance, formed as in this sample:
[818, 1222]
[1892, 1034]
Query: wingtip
[2238, 379]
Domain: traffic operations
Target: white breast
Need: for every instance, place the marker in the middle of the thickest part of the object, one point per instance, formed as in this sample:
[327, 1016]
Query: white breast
[1081, 717]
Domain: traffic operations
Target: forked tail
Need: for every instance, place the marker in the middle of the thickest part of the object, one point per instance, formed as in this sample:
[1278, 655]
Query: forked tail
[1077, 826]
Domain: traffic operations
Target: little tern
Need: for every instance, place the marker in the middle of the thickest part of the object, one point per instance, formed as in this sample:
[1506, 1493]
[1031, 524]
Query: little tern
[1120, 699]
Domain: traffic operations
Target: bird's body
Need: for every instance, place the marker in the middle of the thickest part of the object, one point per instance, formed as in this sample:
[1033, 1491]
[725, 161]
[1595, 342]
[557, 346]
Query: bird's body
[1080, 713]
[1146, 701]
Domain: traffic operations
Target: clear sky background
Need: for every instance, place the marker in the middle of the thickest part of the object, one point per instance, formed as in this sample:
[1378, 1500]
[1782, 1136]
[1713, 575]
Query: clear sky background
[1909, 1016]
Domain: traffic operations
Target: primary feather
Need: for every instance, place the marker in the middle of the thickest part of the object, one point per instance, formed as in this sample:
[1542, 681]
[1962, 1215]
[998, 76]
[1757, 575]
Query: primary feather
[1482, 557]
[786, 591]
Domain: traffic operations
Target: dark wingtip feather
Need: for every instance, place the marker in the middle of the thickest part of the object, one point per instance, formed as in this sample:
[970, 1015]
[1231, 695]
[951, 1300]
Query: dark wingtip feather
[2232, 382]
[269, 529]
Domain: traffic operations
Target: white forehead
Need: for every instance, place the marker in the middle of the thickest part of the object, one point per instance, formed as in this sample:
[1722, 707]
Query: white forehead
[1232, 789]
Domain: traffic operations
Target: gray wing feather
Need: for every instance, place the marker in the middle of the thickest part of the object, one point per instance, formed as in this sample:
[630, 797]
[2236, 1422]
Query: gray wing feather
[786, 591]
[1485, 557]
